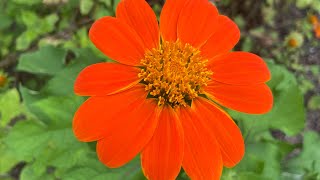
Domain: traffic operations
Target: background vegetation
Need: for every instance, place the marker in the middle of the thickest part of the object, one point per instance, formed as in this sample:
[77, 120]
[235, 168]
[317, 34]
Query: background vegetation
[44, 45]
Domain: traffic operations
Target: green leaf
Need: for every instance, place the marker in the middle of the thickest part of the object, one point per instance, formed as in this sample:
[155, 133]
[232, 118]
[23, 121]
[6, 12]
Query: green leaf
[5, 20]
[95, 170]
[7, 160]
[45, 147]
[308, 161]
[29, 141]
[303, 3]
[62, 83]
[48, 24]
[29, 18]
[10, 106]
[36, 26]
[287, 114]
[101, 11]
[314, 102]
[47, 60]
[35, 173]
[261, 161]
[62, 116]
[316, 6]
[85, 6]
[25, 40]
[29, 2]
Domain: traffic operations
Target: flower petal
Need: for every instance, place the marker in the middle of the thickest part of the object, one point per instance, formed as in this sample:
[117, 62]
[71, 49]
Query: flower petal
[239, 68]
[105, 78]
[117, 40]
[139, 15]
[162, 157]
[223, 39]
[226, 132]
[95, 118]
[132, 130]
[202, 156]
[169, 18]
[253, 99]
[197, 22]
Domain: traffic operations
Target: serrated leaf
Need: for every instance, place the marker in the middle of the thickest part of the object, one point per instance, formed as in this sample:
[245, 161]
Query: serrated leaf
[47, 60]
[7, 160]
[10, 106]
[35, 173]
[61, 116]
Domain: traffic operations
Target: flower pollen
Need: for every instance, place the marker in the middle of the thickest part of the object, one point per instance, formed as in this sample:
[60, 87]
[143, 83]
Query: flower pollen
[175, 73]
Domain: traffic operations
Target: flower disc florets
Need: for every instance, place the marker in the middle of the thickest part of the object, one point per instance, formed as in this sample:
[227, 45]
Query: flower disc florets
[175, 73]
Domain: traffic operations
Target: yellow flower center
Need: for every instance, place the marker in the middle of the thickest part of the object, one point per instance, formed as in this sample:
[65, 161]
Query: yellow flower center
[175, 73]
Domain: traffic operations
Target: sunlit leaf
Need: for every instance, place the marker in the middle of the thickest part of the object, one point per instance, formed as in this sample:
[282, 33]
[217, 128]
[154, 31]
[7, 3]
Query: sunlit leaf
[10, 106]
[47, 60]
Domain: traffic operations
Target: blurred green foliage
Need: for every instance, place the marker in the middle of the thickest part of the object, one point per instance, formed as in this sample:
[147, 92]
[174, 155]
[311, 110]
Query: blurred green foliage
[49, 40]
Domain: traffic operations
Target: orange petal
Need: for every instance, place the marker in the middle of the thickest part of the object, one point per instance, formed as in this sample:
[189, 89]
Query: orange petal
[139, 15]
[117, 40]
[202, 157]
[105, 78]
[239, 68]
[132, 130]
[197, 22]
[169, 18]
[253, 99]
[226, 132]
[223, 39]
[162, 157]
[97, 116]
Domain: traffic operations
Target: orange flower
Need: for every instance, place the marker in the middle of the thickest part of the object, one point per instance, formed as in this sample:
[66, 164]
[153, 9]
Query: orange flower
[313, 19]
[160, 98]
[316, 25]
[317, 30]
[3, 80]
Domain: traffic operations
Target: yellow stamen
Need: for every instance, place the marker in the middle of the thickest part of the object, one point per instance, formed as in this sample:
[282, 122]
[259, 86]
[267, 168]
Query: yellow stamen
[175, 73]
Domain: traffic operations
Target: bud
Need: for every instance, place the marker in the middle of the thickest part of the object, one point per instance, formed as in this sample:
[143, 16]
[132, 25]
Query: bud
[294, 40]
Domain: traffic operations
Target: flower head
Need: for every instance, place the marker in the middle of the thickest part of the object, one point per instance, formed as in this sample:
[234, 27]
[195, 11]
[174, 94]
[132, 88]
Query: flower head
[317, 30]
[3, 80]
[160, 98]
[313, 19]
[294, 40]
[316, 25]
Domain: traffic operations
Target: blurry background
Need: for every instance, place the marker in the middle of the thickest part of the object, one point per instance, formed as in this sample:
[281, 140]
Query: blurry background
[44, 45]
